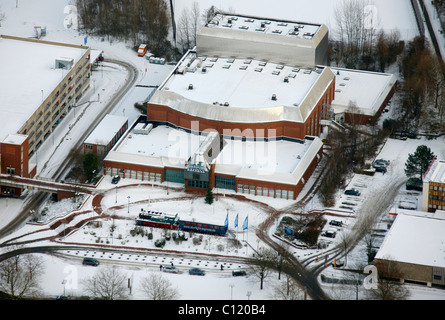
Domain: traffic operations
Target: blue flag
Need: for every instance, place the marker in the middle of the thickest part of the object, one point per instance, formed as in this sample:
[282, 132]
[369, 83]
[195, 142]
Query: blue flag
[85, 40]
[236, 221]
[245, 223]
[226, 223]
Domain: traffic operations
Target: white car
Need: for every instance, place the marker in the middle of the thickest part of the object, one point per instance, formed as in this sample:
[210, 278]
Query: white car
[171, 269]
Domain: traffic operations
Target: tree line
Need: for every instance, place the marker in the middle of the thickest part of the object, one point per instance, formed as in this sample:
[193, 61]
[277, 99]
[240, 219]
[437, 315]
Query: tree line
[138, 21]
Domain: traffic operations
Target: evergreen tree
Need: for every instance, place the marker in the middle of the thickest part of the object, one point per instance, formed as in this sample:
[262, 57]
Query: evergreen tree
[209, 196]
[419, 161]
[90, 166]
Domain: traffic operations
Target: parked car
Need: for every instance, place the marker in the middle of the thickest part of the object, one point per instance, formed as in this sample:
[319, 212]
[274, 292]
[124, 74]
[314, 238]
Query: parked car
[171, 269]
[237, 273]
[352, 192]
[115, 179]
[381, 163]
[380, 169]
[329, 233]
[197, 272]
[90, 262]
[336, 223]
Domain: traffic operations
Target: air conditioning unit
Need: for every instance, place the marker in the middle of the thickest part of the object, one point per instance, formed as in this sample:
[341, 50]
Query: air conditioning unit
[274, 97]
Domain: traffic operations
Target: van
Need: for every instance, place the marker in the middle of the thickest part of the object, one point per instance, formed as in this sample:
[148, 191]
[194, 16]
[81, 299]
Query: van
[90, 262]
[142, 50]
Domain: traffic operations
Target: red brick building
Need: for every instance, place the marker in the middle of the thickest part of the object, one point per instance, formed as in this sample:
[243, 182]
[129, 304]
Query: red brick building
[14, 160]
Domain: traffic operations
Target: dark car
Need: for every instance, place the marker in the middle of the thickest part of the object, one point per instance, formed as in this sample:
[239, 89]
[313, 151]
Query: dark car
[352, 192]
[380, 169]
[90, 262]
[115, 179]
[238, 273]
[197, 272]
[336, 223]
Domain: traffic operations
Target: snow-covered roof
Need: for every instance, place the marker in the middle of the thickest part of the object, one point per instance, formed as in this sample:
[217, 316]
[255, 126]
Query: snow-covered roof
[366, 89]
[17, 139]
[280, 161]
[162, 146]
[106, 130]
[27, 78]
[436, 172]
[257, 91]
[416, 238]
[251, 24]
[280, 41]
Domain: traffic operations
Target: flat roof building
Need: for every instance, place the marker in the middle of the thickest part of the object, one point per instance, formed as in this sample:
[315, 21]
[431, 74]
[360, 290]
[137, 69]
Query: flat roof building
[228, 94]
[250, 37]
[40, 81]
[433, 194]
[36, 91]
[266, 167]
[413, 248]
[368, 92]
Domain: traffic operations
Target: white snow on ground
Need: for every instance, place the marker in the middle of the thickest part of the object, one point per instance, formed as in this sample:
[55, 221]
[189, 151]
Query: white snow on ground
[127, 201]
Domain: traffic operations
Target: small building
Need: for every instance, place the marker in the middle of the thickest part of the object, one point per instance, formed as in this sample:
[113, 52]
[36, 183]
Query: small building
[105, 135]
[361, 96]
[413, 249]
[433, 194]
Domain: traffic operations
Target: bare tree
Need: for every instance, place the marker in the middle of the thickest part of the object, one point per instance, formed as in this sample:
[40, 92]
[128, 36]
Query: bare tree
[107, 284]
[184, 31]
[288, 289]
[157, 287]
[356, 22]
[262, 264]
[20, 276]
[2, 17]
[389, 286]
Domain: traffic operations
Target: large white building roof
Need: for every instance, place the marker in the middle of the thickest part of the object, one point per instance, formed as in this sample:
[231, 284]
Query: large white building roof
[292, 29]
[246, 85]
[367, 90]
[416, 238]
[27, 77]
[278, 161]
[279, 41]
[162, 146]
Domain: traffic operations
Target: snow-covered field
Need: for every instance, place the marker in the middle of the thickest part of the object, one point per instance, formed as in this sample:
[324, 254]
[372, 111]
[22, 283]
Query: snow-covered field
[128, 199]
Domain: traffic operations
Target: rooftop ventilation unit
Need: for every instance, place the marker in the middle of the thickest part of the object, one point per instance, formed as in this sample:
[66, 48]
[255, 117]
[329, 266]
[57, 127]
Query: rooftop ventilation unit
[64, 63]
[190, 86]
[286, 79]
[274, 97]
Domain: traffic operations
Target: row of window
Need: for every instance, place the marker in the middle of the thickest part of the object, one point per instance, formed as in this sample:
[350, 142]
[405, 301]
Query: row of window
[267, 192]
[434, 206]
[437, 198]
[220, 182]
[133, 174]
[437, 188]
